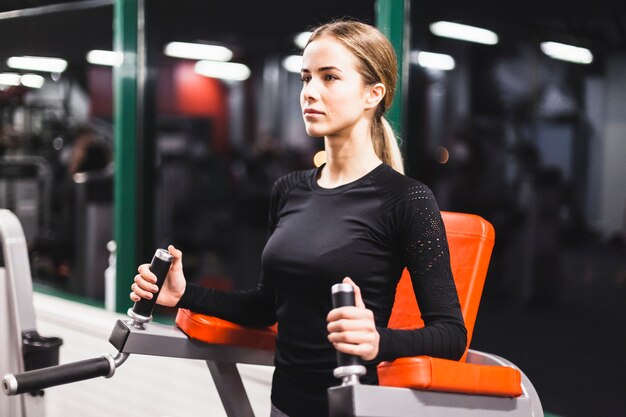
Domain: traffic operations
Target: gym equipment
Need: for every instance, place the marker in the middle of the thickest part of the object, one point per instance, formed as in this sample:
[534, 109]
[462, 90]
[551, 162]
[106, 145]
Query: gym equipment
[26, 190]
[21, 347]
[480, 384]
[141, 312]
[92, 217]
[105, 365]
[348, 368]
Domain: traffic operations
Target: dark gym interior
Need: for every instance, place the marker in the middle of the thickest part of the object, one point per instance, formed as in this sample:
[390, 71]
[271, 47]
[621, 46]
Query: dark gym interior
[532, 144]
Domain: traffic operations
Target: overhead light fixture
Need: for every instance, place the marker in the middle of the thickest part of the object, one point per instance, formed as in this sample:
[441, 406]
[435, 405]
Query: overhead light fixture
[566, 52]
[32, 80]
[301, 39]
[9, 78]
[223, 70]
[198, 51]
[464, 32]
[102, 57]
[293, 63]
[37, 63]
[433, 60]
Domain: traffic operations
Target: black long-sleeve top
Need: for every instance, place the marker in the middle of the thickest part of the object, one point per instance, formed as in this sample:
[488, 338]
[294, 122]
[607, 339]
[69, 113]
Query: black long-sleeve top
[368, 230]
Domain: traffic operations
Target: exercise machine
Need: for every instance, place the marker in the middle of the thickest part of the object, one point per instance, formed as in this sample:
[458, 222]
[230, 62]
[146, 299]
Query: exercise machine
[21, 347]
[481, 384]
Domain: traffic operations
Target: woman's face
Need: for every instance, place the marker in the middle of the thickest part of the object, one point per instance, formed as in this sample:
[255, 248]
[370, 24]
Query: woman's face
[333, 96]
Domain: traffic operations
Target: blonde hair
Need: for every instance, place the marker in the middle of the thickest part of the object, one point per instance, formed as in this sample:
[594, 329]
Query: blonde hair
[377, 64]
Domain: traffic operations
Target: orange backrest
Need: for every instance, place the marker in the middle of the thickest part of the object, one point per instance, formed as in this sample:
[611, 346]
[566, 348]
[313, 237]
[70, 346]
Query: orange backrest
[470, 239]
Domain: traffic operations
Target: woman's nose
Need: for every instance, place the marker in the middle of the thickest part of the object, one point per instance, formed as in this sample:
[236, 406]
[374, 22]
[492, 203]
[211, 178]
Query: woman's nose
[309, 91]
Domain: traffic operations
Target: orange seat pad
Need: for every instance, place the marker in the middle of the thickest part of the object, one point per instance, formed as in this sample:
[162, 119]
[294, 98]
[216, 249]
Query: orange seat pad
[434, 374]
[217, 331]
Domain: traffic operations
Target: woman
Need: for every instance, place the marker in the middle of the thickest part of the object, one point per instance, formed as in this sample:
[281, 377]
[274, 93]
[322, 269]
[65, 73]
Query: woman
[356, 219]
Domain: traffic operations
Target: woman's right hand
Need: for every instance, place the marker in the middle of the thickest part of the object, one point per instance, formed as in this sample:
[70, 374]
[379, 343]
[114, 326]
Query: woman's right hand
[173, 287]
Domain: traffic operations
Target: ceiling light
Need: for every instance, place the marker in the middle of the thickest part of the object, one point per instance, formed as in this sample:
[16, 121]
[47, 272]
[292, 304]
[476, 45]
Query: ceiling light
[101, 57]
[198, 51]
[432, 60]
[301, 39]
[9, 78]
[464, 32]
[37, 63]
[32, 80]
[568, 53]
[223, 70]
[293, 63]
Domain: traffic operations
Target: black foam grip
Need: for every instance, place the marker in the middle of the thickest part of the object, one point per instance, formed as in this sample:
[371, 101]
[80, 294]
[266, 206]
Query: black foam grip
[39, 379]
[160, 268]
[343, 299]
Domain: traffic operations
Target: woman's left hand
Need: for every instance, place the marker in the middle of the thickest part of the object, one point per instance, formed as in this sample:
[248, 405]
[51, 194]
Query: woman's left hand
[352, 329]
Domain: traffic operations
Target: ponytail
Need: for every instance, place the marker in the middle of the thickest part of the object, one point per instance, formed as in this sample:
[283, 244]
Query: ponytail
[386, 144]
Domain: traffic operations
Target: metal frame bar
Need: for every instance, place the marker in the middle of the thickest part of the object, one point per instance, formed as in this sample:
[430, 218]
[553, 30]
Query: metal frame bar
[169, 341]
[344, 401]
[378, 401]
[125, 109]
[17, 310]
[55, 8]
[16, 265]
[230, 389]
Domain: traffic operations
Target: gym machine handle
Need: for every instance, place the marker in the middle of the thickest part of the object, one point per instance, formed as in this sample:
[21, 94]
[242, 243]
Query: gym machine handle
[105, 365]
[349, 367]
[34, 381]
[160, 266]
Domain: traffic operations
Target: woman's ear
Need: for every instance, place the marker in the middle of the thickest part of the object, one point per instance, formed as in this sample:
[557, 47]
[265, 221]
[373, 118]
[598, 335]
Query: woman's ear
[375, 94]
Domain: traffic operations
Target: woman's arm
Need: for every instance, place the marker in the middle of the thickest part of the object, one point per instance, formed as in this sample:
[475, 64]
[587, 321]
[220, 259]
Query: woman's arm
[254, 307]
[425, 249]
[417, 229]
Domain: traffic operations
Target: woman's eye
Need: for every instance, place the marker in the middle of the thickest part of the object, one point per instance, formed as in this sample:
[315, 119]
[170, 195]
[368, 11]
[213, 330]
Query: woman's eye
[305, 78]
[329, 77]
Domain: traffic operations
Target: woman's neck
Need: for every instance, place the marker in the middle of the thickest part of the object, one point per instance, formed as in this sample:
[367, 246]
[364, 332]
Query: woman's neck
[347, 160]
